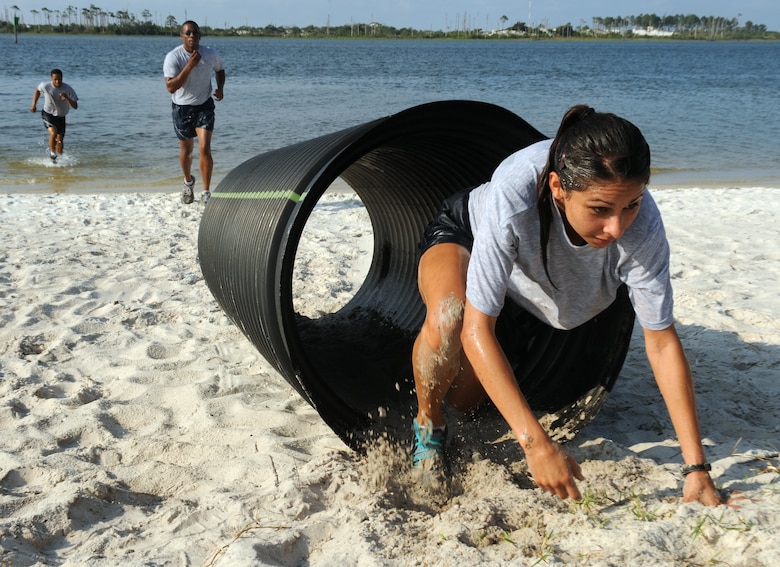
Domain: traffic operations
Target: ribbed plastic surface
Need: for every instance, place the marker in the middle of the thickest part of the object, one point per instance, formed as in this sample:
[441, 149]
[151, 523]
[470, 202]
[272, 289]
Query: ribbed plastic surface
[354, 366]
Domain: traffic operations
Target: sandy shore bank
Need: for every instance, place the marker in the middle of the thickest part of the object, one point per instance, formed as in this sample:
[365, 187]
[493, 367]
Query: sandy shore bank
[139, 426]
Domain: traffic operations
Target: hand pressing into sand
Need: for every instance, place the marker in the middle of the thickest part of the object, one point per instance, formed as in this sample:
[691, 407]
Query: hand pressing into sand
[553, 469]
[700, 488]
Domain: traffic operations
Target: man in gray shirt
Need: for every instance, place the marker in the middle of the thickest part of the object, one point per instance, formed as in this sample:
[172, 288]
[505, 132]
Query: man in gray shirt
[59, 98]
[187, 70]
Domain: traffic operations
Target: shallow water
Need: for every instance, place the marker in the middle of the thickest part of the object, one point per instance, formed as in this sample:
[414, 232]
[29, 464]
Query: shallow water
[708, 109]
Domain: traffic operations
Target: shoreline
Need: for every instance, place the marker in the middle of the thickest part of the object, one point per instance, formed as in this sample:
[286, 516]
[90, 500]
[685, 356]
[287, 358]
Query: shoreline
[67, 177]
[658, 182]
[415, 35]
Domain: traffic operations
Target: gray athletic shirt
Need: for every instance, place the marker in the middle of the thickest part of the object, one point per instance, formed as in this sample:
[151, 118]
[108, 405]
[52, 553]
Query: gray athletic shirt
[197, 88]
[52, 101]
[506, 260]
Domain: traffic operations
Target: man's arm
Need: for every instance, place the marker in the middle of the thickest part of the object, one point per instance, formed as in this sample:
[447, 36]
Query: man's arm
[71, 101]
[36, 96]
[218, 94]
[173, 84]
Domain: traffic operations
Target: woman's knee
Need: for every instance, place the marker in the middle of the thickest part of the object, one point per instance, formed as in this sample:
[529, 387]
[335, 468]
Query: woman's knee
[443, 324]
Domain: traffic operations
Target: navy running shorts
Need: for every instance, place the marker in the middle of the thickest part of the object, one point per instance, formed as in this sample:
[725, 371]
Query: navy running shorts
[51, 121]
[186, 118]
[451, 224]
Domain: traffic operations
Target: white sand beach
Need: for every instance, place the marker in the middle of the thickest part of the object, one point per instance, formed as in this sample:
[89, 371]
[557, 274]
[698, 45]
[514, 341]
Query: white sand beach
[138, 426]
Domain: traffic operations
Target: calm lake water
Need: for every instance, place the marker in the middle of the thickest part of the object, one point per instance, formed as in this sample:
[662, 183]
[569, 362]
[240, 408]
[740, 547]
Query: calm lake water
[708, 109]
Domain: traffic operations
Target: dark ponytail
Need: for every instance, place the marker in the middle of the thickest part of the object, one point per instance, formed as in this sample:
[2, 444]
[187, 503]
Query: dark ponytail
[589, 146]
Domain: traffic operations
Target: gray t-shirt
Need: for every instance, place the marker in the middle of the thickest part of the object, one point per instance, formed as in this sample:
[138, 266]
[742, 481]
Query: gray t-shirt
[506, 259]
[197, 88]
[52, 101]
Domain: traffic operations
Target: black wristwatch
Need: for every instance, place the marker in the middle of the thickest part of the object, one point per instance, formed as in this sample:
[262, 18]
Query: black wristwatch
[688, 469]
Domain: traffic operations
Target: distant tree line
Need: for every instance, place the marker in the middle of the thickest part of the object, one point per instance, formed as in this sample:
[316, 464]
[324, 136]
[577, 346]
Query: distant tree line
[94, 20]
[682, 26]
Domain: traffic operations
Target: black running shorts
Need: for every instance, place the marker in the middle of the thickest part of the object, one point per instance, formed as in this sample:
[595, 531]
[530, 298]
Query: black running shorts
[187, 118]
[51, 121]
[451, 224]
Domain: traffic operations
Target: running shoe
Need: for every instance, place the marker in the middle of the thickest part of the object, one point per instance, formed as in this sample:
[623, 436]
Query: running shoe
[187, 195]
[204, 198]
[428, 448]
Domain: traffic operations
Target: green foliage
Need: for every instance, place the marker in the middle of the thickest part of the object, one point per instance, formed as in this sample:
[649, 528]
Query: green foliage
[95, 20]
[720, 524]
[591, 504]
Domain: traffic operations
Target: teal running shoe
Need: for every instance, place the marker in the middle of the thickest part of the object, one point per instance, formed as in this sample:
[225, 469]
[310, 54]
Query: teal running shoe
[428, 448]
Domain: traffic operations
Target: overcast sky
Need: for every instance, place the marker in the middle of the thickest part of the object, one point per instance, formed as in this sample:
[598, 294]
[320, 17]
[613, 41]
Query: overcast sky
[417, 14]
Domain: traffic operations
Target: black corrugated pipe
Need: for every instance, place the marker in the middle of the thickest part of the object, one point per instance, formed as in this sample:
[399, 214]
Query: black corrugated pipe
[354, 366]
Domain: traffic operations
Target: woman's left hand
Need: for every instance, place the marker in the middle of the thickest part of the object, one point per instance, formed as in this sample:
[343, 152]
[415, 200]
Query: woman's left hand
[700, 488]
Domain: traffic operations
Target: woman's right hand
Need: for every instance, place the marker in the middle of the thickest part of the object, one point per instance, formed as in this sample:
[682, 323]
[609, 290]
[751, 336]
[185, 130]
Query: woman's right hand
[553, 469]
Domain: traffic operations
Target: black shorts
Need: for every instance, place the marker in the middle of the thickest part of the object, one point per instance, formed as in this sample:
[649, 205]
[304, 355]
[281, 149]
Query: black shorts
[51, 121]
[186, 118]
[451, 225]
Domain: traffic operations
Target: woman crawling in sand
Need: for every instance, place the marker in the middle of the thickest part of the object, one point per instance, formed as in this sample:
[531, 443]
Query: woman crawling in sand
[558, 229]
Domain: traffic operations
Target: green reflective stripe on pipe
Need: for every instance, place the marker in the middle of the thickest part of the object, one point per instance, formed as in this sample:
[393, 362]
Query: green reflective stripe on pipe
[291, 195]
